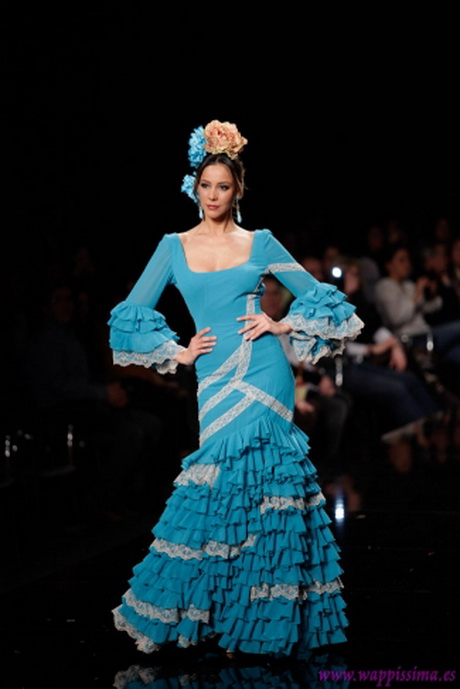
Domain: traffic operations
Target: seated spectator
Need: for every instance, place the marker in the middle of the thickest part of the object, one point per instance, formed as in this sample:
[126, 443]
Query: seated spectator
[435, 267]
[375, 371]
[63, 392]
[403, 305]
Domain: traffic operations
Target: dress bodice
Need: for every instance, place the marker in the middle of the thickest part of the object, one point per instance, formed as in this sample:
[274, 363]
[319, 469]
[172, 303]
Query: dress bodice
[320, 317]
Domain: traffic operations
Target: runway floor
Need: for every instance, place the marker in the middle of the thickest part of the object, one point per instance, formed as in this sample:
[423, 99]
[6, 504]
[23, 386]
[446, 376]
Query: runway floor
[399, 553]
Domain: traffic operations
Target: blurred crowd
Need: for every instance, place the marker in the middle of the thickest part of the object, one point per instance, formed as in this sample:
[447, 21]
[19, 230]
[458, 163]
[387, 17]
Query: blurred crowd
[394, 392]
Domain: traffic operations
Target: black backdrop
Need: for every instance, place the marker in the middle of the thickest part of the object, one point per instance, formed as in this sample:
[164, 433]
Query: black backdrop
[344, 129]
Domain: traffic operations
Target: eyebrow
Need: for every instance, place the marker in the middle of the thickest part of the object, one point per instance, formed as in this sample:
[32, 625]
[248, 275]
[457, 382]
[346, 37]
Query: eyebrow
[203, 179]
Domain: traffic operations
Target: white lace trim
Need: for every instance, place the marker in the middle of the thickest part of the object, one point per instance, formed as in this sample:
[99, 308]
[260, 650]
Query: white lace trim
[292, 592]
[143, 642]
[200, 474]
[303, 337]
[212, 548]
[304, 328]
[160, 357]
[240, 359]
[225, 419]
[224, 368]
[285, 268]
[281, 503]
[242, 364]
[265, 398]
[166, 615]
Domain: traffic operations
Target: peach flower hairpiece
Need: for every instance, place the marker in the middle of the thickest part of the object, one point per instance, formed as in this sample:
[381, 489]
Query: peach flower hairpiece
[223, 137]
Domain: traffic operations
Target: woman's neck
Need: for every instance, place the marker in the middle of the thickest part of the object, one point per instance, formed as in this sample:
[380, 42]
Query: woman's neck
[218, 227]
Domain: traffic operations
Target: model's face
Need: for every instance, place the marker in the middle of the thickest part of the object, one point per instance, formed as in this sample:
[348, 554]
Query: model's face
[216, 190]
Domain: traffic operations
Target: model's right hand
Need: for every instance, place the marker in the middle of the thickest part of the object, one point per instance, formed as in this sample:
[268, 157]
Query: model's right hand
[199, 344]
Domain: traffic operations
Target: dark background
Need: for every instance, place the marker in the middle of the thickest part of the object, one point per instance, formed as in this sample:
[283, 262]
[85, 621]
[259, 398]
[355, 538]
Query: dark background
[348, 123]
[352, 118]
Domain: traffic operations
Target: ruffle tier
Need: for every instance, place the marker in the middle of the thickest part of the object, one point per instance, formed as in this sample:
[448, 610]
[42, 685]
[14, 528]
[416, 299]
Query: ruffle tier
[140, 335]
[322, 322]
[243, 550]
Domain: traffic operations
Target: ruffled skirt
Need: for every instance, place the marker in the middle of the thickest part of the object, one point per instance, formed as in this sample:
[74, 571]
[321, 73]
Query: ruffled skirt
[242, 551]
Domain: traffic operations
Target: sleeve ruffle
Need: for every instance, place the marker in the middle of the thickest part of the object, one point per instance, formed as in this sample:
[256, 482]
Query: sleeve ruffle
[140, 335]
[322, 322]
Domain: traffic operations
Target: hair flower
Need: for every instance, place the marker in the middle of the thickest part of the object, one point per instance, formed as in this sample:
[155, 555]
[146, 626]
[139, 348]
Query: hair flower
[196, 147]
[188, 184]
[223, 137]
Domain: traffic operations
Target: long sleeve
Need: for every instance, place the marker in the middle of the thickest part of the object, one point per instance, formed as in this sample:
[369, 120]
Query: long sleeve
[138, 333]
[321, 319]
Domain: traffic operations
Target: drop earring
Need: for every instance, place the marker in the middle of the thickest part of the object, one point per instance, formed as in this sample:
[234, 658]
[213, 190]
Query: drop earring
[200, 212]
[236, 206]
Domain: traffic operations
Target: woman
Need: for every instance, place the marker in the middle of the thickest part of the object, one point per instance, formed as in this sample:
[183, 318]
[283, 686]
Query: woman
[403, 304]
[242, 549]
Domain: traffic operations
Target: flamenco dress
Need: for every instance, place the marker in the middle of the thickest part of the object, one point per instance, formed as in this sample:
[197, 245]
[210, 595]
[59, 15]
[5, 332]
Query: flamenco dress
[243, 549]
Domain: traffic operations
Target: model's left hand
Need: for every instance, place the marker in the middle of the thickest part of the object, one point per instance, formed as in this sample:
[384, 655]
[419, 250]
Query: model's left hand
[260, 323]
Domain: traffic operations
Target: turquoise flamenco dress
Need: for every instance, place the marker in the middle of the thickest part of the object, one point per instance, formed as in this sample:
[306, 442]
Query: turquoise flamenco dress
[243, 549]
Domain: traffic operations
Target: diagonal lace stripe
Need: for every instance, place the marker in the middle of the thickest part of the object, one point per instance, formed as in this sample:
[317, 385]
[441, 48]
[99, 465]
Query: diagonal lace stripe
[166, 615]
[143, 642]
[292, 592]
[239, 358]
[265, 398]
[225, 419]
[244, 358]
[212, 548]
[284, 267]
[276, 502]
[200, 474]
[224, 368]
[251, 392]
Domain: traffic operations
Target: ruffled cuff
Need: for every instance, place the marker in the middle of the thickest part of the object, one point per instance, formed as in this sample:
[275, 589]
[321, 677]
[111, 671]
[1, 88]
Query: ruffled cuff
[140, 335]
[322, 321]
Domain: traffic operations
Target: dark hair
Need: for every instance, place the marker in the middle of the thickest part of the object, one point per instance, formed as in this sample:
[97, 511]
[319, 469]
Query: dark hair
[234, 165]
[390, 251]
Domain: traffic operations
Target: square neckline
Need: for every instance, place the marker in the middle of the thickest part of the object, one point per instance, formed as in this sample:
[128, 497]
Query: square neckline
[221, 270]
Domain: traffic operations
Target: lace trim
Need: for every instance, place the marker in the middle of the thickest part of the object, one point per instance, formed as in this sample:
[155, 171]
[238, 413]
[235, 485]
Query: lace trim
[304, 328]
[200, 474]
[265, 398]
[224, 368]
[160, 357]
[225, 419]
[285, 267]
[166, 615]
[303, 337]
[143, 642]
[291, 592]
[242, 365]
[240, 358]
[212, 548]
[282, 503]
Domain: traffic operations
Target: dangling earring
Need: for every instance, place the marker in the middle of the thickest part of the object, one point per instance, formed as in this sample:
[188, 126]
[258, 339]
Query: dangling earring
[236, 206]
[200, 212]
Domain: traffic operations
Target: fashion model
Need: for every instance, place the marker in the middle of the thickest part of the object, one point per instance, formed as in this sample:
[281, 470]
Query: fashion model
[243, 550]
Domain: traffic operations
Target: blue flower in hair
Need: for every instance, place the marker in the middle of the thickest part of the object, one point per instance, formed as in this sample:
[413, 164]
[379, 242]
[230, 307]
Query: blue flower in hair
[187, 187]
[196, 152]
